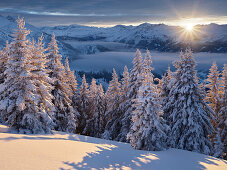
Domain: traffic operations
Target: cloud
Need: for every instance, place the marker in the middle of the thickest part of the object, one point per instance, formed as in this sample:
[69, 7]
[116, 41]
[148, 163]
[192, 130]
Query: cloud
[110, 12]
[17, 11]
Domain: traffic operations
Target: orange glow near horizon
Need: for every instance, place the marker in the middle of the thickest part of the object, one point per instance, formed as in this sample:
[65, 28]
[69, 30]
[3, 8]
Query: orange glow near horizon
[189, 22]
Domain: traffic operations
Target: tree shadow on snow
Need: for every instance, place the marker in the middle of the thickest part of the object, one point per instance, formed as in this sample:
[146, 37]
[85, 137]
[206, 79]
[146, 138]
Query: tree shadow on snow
[122, 157]
[117, 155]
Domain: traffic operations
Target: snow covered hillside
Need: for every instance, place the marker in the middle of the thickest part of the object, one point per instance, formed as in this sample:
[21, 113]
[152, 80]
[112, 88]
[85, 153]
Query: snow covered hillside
[160, 37]
[8, 25]
[71, 151]
[77, 39]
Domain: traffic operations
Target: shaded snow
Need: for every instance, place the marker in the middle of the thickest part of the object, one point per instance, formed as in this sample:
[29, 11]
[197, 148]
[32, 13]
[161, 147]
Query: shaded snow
[70, 151]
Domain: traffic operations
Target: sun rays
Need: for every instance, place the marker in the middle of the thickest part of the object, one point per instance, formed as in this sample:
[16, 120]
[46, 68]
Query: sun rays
[190, 30]
[189, 27]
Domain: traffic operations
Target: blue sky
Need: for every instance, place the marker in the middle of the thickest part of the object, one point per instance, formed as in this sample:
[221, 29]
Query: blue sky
[112, 12]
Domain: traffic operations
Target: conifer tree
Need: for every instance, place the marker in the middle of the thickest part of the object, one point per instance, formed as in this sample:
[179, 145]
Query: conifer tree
[53, 55]
[92, 105]
[213, 97]
[135, 75]
[113, 92]
[65, 117]
[95, 125]
[147, 66]
[113, 100]
[191, 117]
[213, 94]
[148, 131]
[21, 102]
[125, 108]
[72, 83]
[222, 124]
[3, 59]
[125, 84]
[100, 110]
[40, 76]
[83, 106]
[165, 90]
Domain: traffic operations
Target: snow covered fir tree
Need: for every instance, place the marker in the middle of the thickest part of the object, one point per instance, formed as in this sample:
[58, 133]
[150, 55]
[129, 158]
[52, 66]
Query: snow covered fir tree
[25, 100]
[222, 121]
[39, 94]
[65, 116]
[190, 118]
[148, 131]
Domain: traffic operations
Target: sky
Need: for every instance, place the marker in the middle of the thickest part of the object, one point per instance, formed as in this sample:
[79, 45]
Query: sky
[114, 12]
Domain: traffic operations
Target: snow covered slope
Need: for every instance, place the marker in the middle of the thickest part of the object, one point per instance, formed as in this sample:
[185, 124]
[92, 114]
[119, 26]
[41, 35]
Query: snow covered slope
[8, 25]
[70, 151]
[77, 39]
[160, 37]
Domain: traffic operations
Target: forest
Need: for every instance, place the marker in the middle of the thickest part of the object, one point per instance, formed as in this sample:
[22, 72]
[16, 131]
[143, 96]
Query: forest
[39, 94]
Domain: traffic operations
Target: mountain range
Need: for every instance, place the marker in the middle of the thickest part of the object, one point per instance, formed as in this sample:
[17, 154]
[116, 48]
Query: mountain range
[75, 39]
[158, 37]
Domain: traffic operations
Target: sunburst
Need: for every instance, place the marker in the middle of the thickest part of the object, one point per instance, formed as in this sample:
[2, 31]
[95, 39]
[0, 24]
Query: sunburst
[189, 27]
[189, 31]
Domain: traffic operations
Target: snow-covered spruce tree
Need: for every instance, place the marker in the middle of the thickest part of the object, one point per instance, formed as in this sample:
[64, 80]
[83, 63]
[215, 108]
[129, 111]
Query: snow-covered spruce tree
[124, 84]
[222, 124]
[52, 55]
[147, 66]
[126, 108]
[113, 92]
[113, 100]
[65, 117]
[20, 101]
[213, 94]
[3, 59]
[92, 105]
[83, 106]
[166, 85]
[72, 83]
[95, 124]
[148, 131]
[114, 125]
[40, 76]
[191, 117]
[100, 110]
[135, 75]
[213, 97]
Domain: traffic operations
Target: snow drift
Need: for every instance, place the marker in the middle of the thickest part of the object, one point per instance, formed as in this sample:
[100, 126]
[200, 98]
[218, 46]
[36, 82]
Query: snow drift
[71, 151]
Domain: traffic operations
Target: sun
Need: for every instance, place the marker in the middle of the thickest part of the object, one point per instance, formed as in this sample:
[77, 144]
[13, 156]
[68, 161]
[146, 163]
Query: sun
[189, 27]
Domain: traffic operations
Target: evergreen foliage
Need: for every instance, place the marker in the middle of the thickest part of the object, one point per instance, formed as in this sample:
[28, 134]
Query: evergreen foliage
[222, 124]
[148, 131]
[83, 106]
[3, 59]
[191, 119]
[65, 116]
[21, 102]
[213, 94]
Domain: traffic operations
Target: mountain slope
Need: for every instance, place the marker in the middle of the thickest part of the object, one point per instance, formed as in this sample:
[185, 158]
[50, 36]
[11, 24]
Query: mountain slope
[160, 37]
[8, 25]
[77, 39]
[70, 151]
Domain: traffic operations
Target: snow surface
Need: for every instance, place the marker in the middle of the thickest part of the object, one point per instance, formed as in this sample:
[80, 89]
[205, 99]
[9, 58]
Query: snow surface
[71, 151]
